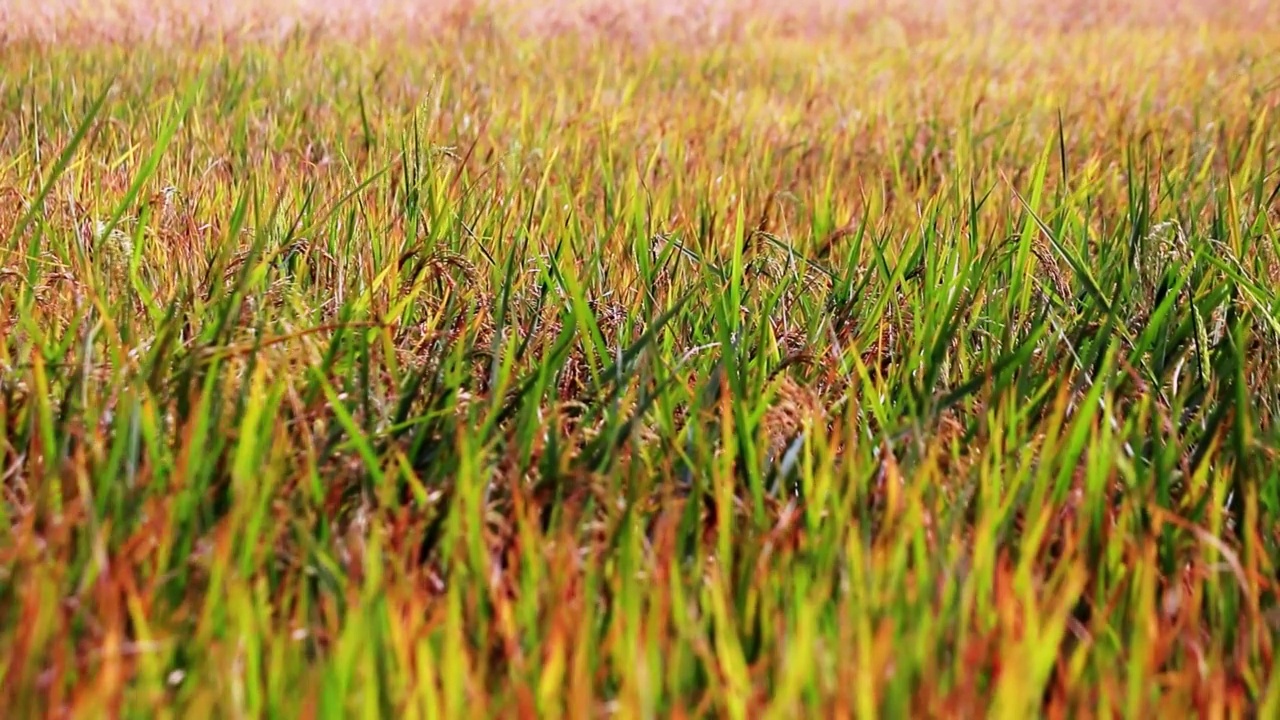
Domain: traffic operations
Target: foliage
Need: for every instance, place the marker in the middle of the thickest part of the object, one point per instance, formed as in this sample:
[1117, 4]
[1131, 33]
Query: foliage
[891, 370]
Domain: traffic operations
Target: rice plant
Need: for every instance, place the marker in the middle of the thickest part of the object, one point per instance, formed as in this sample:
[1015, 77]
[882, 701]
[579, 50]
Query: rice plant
[730, 359]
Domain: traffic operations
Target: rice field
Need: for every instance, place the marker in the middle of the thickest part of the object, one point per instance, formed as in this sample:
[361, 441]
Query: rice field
[731, 358]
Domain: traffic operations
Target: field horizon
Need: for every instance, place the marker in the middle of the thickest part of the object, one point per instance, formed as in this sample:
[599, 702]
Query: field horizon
[738, 358]
[642, 22]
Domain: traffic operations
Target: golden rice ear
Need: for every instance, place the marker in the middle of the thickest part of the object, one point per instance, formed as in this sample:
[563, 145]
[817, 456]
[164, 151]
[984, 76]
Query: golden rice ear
[795, 407]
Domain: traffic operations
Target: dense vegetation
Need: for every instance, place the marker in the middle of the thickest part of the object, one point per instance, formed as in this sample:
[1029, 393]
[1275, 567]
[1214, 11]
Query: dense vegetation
[887, 369]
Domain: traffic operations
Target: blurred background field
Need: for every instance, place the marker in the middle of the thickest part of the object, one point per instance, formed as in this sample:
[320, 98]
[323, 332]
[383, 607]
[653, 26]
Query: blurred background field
[73, 20]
